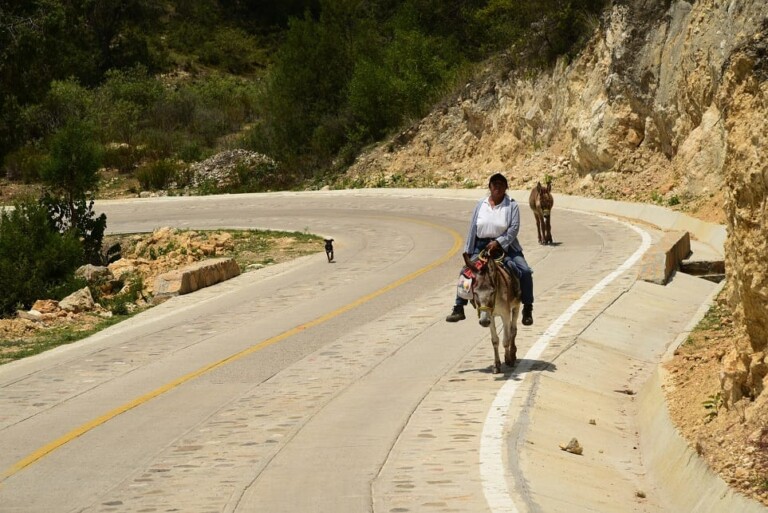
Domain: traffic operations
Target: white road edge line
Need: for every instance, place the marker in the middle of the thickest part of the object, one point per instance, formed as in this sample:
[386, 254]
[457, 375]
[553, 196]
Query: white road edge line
[492, 471]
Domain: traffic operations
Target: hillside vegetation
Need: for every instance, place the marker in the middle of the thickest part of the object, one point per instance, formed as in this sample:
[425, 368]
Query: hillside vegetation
[305, 82]
[152, 79]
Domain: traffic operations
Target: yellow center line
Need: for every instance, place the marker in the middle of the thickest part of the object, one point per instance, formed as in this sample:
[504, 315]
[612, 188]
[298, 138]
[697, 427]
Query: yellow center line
[75, 433]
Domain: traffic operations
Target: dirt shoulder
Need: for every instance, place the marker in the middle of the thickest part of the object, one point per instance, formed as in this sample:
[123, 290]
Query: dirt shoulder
[733, 442]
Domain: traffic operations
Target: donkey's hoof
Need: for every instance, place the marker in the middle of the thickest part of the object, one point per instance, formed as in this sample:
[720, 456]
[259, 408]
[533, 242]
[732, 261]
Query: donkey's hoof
[510, 361]
[497, 369]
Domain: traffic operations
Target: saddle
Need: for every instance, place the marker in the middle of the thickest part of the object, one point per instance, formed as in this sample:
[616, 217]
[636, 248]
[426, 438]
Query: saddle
[477, 266]
[468, 273]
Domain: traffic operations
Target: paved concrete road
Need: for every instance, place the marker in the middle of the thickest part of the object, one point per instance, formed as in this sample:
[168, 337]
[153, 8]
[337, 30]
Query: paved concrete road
[316, 387]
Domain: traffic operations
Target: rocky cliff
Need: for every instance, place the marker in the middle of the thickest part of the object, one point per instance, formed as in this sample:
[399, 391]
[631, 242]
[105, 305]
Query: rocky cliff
[743, 100]
[666, 104]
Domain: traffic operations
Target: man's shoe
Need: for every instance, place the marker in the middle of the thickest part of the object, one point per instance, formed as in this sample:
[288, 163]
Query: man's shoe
[527, 315]
[457, 314]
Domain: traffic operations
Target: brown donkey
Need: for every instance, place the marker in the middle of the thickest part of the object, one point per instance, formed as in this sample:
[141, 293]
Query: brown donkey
[541, 202]
[496, 293]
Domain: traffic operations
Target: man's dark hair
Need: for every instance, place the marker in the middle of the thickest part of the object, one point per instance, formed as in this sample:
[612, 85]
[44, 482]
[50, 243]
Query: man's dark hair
[498, 178]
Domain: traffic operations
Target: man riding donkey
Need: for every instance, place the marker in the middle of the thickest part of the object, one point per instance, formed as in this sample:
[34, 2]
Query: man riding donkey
[494, 228]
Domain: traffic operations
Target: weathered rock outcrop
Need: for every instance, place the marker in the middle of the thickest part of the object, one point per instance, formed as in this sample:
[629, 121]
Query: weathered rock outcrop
[667, 103]
[744, 101]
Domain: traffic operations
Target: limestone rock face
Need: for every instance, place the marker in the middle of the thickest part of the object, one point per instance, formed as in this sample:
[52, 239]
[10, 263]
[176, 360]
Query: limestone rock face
[744, 98]
[746, 178]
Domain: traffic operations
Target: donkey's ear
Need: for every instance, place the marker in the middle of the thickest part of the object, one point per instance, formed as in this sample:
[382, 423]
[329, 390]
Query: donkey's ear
[467, 261]
[549, 186]
[538, 186]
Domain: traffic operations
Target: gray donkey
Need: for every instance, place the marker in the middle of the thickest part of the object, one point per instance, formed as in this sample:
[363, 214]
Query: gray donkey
[496, 293]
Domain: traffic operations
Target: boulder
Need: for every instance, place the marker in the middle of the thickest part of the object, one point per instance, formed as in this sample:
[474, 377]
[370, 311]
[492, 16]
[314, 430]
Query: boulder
[79, 301]
[92, 273]
[46, 306]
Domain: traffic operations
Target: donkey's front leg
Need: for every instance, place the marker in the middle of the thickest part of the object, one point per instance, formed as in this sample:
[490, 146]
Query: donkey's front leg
[495, 342]
[539, 229]
[548, 229]
[510, 351]
[510, 348]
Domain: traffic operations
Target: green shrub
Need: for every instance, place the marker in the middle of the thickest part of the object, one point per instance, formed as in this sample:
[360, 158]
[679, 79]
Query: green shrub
[121, 304]
[35, 259]
[66, 102]
[174, 111]
[538, 30]
[24, 164]
[72, 166]
[209, 123]
[118, 305]
[159, 143]
[191, 151]
[120, 121]
[80, 219]
[186, 36]
[371, 97]
[124, 102]
[122, 157]
[259, 178]
[230, 49]
[306, 85]
[222, 104]
[157, 175]
[135, 86]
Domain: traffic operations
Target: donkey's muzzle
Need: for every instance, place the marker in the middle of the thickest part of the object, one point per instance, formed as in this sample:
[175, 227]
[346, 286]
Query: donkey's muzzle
[485, 319]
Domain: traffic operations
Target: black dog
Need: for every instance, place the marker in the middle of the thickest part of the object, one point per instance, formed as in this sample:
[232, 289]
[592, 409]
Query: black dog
[329, 249]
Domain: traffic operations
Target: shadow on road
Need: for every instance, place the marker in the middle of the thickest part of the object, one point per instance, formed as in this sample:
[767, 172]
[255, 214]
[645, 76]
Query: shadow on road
[522, 366]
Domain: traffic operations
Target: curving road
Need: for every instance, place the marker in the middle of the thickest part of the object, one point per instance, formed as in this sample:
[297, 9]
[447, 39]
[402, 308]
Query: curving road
[305, 386]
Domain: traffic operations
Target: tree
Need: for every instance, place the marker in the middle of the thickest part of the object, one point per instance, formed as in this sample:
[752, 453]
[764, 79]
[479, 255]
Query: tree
[71, 173]
[73, 164]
